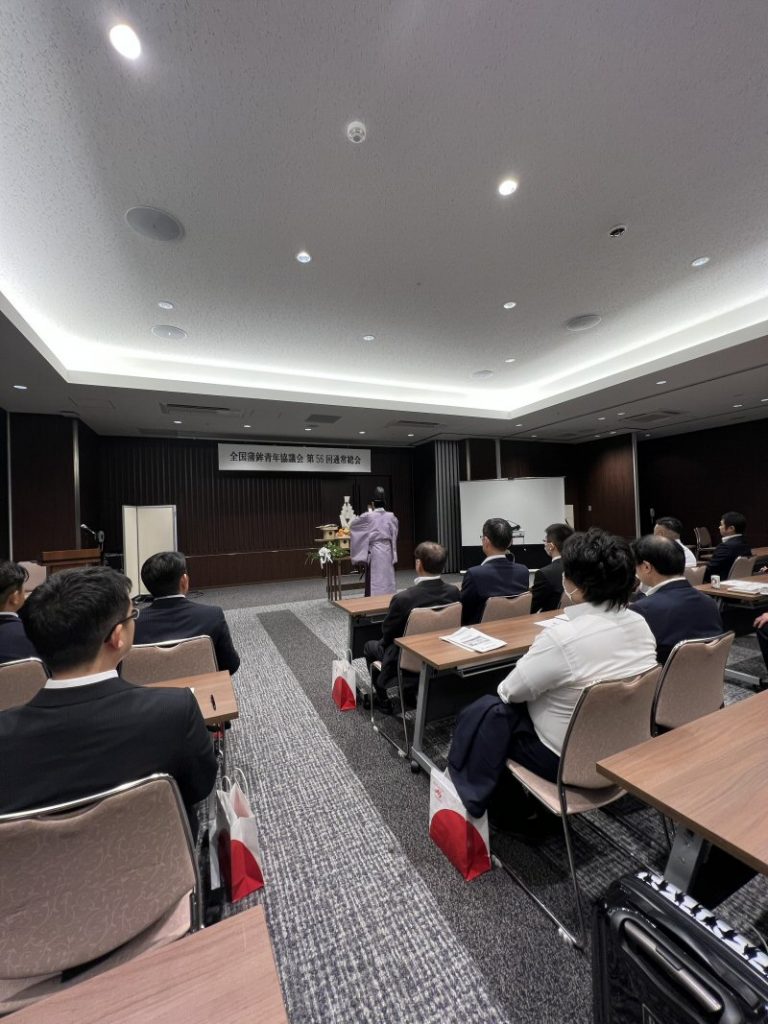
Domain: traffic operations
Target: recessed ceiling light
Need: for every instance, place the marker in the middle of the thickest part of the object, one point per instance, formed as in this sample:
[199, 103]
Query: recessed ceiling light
[165, 304]
[661, 382]
[509, 360]
[361, 431]
[601, 418]
[738, 405]
[168, 331]
[303, 257]
[619, 413]
[177, 422]
[307, 429]
[534, 435]
[584, 322]
[125, 41]
[509, 305]
[369, 337]
[762, 399]
[700, 261]
[597, 435]
[518, 424]
[482, 374]
[246, 426]
[410, 435]
[20, 387]
[613, 431]
[647, 435]
[507, 187]
[155, 224]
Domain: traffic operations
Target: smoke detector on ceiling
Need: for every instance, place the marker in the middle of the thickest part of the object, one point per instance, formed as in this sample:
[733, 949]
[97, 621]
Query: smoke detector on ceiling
[618, 231]
[356, 132]
[583, 323]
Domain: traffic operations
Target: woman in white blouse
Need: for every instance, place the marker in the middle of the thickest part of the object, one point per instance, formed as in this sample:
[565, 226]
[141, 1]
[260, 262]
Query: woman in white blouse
[596, 637]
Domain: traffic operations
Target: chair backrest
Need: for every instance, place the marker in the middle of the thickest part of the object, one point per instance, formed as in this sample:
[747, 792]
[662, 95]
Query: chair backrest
[611, 716]
[171, 659]
[37, 574]
[20, 681]
[84, 877]
[703, 536]
[692, 681]
[507, 607]
[742, 567]
[427, 620]
[695, 574]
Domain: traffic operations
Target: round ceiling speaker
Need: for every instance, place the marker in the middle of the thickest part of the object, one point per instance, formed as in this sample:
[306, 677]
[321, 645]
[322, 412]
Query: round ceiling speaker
[168, 331]
[583, 323]
[155, 224]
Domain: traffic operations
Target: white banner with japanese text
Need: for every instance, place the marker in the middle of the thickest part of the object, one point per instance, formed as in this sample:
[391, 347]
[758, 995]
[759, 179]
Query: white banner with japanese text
[293, 459]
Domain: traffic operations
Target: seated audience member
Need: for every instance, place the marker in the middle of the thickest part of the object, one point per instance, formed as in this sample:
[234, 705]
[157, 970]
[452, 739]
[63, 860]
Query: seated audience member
[597, 637]
[761, 627]
[671, 528]
[14, 643]
[427, 591]
[547, 586]
[731, 527]
[172, 616]
[671, 606]
[497, 576]
[88, 730]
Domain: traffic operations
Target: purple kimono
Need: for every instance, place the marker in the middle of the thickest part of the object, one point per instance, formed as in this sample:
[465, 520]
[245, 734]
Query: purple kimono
[373, 540]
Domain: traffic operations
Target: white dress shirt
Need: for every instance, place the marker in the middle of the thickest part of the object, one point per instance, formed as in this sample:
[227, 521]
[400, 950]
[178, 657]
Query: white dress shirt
[586, 643]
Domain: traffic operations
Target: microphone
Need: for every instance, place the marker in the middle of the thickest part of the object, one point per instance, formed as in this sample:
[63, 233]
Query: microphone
[515, 526]
[87, 529]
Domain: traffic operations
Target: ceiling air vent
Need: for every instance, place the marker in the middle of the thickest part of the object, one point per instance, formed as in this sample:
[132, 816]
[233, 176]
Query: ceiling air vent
[317, 417]
[205, 410]
[653, 417]
[415, 423]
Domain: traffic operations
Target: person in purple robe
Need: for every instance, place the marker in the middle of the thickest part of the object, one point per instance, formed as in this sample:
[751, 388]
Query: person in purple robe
[373, 541]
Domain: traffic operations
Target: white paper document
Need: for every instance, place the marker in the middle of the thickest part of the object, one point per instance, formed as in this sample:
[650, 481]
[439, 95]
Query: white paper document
[747, 586]
[546, 623]
[473, 640]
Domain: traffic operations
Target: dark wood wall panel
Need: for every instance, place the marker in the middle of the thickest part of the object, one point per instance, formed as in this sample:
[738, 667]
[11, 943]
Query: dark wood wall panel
[482, 458]
[527, 458]
[43, 491]
[698, 476]
[5, 537]
[242, 527]
[607, 486]
[88, 447]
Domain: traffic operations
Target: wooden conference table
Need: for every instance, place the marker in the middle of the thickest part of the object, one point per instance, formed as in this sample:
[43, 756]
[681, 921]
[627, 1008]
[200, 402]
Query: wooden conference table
[711, 777]
[365, 617]
[728, 593]
[439, 658]
[225, 972]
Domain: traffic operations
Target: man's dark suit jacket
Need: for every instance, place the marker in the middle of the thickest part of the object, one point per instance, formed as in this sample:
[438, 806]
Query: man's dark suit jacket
[498, 578]
[420, 595]
[723, 557]
[678, 612]
[74, 742]
[547, 587]
[14, 642]
[177, 618]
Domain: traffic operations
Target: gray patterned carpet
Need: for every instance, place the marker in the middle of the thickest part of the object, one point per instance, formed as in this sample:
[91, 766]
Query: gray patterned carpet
[369, 921]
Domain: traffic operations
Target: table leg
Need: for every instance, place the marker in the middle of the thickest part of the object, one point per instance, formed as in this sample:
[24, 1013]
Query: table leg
[705, 872]
[426, 675]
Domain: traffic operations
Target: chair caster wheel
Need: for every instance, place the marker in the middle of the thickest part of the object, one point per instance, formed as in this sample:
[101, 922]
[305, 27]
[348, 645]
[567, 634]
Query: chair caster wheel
[415, 767]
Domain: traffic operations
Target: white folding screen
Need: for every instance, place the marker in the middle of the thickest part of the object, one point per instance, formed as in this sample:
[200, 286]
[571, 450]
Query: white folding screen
[147, 529]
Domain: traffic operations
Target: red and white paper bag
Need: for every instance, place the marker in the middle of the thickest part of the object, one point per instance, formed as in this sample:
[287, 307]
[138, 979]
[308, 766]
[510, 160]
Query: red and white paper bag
[462, 838]
[234, 850]
[343, 688]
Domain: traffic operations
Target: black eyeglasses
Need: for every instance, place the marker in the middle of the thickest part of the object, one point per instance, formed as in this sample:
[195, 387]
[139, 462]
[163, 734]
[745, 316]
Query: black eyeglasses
[134, 615]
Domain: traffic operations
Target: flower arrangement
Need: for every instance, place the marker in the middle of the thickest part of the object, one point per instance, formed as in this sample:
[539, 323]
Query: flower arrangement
[331, 551]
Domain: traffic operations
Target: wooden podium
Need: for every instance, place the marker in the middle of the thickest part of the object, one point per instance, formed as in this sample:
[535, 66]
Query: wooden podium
[72, 558]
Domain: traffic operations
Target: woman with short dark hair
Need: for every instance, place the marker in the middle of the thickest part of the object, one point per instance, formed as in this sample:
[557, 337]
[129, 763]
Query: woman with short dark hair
[597, 637]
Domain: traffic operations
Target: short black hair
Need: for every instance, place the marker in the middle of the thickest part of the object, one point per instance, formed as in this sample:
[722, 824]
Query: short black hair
[432, 556]
[12, 577]
[558, 534]
[736, 520]
[670, 523]
[498, 532]
[601, 565]
[161, 573]
[665, 555]
[68, 617]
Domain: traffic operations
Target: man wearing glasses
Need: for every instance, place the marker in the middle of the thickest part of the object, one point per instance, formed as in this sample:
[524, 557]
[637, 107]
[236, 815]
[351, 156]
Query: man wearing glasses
[88, 730]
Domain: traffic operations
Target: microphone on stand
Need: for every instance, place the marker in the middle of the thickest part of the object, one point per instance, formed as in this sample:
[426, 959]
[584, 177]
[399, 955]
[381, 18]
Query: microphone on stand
[88, 530]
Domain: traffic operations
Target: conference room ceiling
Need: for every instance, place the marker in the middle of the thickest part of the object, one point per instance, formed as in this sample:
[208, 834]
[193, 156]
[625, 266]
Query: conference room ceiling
[234, 120]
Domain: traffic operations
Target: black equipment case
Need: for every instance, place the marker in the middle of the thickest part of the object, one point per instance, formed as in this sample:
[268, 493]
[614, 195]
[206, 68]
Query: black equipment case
[659, 957]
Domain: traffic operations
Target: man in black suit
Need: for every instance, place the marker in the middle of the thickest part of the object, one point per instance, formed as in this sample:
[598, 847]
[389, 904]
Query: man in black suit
[497, 576]
[673, 609]
[172, 616]
[428, 591]
[88, 730]
[732, 527]
[547, 586]
[14, 642]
